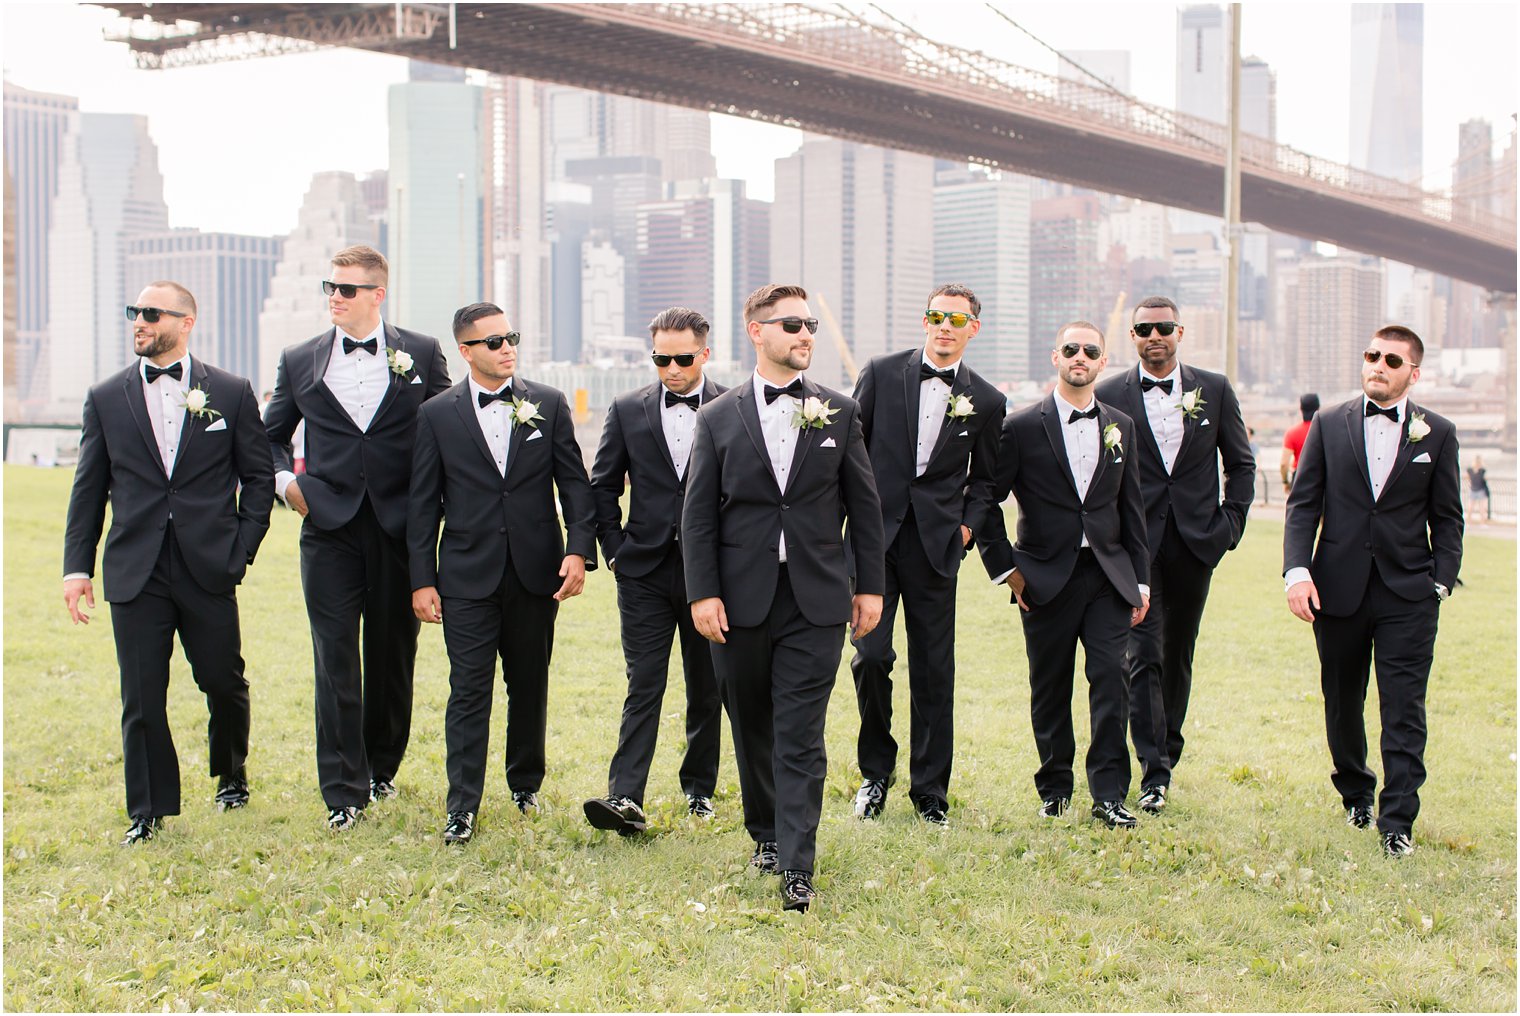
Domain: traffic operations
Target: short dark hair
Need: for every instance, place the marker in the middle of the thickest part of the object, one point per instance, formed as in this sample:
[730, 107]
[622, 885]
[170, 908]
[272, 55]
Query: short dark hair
[1308, 405]
[1155, 301]
[958, 289]
[1070, 325]
[1398, 333]
[186, 298]
[680, 319]
[767, 296]
[466, 316]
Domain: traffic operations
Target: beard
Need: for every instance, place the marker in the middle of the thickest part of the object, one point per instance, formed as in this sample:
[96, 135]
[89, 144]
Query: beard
[162, 343]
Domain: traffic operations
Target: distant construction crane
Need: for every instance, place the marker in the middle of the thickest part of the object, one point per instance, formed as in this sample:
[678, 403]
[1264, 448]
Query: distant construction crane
[846, 355]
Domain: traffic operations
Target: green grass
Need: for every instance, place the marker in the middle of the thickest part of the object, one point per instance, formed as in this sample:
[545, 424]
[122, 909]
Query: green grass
[1251, 894]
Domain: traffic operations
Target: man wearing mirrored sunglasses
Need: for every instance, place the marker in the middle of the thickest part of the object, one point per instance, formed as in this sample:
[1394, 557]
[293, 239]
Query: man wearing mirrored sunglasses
[646, 443]
[1079, 568]
[357, 387]
[931, 427]
[1190, 429]
[1372, 543]
[177, 449]
[491, 452]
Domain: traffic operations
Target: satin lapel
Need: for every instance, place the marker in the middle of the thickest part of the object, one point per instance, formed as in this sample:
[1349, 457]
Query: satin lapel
[137, 405]
[962, 386]
[471, 424]
[1105, 457]
[189, 426]
[749, 415]
[1134, 406]
[1188, 381]
[912, 390]
[1356, 432]
[393, 380]
[1406, 449]
[804, 434]
[653, 407]
[1053, 423]
[320, 356]
[520, 431]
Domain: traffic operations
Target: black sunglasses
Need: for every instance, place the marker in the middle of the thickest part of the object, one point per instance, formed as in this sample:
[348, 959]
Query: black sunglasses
[1393, 360]
[152, 314]
[957, 318]
[1143, 329]
[1088, 350]
[349, 290]
[681, 359]
[793, 325]
[493, 342]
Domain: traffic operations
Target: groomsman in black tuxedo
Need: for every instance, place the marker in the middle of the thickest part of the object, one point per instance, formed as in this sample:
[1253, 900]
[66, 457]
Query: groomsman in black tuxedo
[1371, 547]
[357, 386]
[1189, 426]
[1078, 570]
[178, 450]
[647, 441]
[490, 453]
[778, 466]
[931, 426]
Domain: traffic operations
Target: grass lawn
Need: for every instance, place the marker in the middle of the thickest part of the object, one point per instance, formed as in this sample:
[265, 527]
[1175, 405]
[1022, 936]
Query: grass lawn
[1250, 894]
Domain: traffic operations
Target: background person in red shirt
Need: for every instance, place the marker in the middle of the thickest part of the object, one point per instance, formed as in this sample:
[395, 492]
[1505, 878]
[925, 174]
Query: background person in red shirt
[1293, 441]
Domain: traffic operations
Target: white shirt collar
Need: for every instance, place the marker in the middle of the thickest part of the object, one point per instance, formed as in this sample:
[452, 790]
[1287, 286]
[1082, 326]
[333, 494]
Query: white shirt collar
[378, 334]
[184, 361]
[1400, 405]
[1175, 377]
[953, 368]
[760, 384]
[1066, 408]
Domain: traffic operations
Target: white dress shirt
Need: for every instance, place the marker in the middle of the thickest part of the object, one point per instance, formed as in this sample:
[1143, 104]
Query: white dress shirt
[780, 437]
[680, 424]
[165, 399]
[933, 401]
[358, 380]
[1164, 414]
[495, 419]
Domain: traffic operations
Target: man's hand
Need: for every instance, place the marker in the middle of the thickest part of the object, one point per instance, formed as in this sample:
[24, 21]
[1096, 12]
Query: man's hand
[965, 536]
[1303, 599]
[710, 618]
[1137, 614]
[426, 605]
[865, 613]
[573, 570]
[73, 589]
[296, 499]
[1016, 583]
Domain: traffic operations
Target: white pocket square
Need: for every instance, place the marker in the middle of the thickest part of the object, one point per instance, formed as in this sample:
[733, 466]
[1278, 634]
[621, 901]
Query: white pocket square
[535, 435]
[416, 379]
[963, 433]
[221, 424]
[1205, 423]
[1119, 459]
[828, 442]
[1422, 457]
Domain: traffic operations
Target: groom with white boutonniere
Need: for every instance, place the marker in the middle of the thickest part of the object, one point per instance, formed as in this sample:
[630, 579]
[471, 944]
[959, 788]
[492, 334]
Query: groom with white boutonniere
[490, 453]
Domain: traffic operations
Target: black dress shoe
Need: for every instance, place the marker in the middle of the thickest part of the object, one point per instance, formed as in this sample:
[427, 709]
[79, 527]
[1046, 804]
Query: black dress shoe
[1114, 815]
[797, 890]
[698, 806]
[1359, 816]
[1398, 844]
[231, 791]
[379, 790]
[765, 857]
[142, 830]
[621, 815]
[460, 827]
[526, 800]
[870, 799]
[932, 810]
[342, 819]
[1054, 807]
[1153, 799]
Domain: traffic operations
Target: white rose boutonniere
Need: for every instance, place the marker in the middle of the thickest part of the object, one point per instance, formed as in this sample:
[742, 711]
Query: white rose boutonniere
[400, 361]
[1112, 440]
[960, 407]
[524, 411]
[1192, 403]
[815, 413]
[1418, 428]
[198, 403]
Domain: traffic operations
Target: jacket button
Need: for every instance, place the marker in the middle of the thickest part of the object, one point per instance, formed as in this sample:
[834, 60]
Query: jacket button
[503, 529]
[1366, 546]
[1084, 513]
[773, 548]
[504, 494]
[1374, 511]
[785, 507]
[901, 517]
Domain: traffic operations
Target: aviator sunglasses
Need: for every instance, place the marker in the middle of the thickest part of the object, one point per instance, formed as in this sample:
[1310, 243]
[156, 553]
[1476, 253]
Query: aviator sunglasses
[1143, 329]
[349, 290]
[957, 319]
[493, 342]
[681, 359]
[1088, 350]
[152, 314]
[793, 325]
[1393, 360]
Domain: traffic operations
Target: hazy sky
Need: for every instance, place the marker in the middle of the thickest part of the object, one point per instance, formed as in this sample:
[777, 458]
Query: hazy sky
[238, 142]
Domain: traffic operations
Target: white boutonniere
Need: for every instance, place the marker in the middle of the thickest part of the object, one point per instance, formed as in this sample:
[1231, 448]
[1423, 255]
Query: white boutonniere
[1418, 428]
[815, 413]
[400, 361]
[1112, 440]
[198, 403]
[1192, 403]
[960, 407]
[524, 411]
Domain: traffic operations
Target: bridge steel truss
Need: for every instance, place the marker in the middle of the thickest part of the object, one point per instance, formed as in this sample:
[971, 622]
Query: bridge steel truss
[861, 76]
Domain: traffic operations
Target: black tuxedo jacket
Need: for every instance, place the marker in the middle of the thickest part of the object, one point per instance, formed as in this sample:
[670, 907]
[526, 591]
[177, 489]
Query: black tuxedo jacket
[1190, 492]
[1032, 464]
[1413, 532]
[956, 488]
[217, 527]
[343, 463]
[633, 446]
[488, 518]
[734, 513]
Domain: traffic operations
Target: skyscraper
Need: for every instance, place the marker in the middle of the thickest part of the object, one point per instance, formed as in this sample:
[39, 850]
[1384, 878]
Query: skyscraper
[1203, 62]
[1387, 89]
[1066, 277]
[518, 248]
[1338, 305]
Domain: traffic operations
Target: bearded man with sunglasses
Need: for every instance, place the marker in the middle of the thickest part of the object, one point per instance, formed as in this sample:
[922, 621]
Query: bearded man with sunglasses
[1189, 426]
[491, 451]
[178, 450]
[931, 427]
[358, 387]
[646, 442]
[1372, 543]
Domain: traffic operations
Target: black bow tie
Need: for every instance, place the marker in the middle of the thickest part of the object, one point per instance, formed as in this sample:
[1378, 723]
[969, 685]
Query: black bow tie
[1146, 384]
[369, 345]
[1077, 414]
[928, 373]
[486, 398]
[154, 373]
[1373, 409]
[693, 402]
[794, 390]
